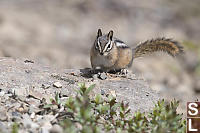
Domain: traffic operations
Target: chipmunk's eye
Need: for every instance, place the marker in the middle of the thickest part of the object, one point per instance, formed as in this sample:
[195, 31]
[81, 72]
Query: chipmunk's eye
[97, 45]
[109, 46]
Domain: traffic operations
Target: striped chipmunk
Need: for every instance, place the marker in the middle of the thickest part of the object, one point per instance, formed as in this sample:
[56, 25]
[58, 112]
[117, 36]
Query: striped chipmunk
[110, 54]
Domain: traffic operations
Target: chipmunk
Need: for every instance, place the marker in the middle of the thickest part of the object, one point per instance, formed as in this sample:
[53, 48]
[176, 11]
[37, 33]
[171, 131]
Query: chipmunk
[111, 54]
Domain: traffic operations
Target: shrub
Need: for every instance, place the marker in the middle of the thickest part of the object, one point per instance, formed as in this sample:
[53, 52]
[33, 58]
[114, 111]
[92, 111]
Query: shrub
[98, 114]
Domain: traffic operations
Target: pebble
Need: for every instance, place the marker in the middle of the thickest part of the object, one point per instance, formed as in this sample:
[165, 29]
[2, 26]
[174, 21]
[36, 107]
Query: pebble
[33, 109]
[6, 96]
[38, 118]
[16, 116]
[95, 76]
[102, 76]
[3, 115]
[147, 94]
[102, 92]
[28, 61]
[27, 71]
[45, 86]
[2, 93]
[46, 127]
[28, 123]
[32, 116]
[20, 109]
[113, 93]
[57, 84]
[56, 129]
[21, 91]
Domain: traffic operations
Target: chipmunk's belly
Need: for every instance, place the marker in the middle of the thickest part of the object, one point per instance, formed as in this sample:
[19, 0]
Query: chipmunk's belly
[103, 62]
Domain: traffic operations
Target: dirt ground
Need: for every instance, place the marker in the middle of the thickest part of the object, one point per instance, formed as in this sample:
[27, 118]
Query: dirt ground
[60, 33]
[25, 86]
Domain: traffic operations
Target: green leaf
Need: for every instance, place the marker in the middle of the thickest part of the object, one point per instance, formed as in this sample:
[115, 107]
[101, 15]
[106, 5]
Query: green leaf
[104, 108]
[89, 89]
[47, 106]
[121, 115]
[57, 99]
[15, 128]
[97, 99]
[112, 102]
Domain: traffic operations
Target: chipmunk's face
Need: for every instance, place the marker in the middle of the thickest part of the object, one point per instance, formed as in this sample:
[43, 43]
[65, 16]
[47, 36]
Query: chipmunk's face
[103, 43]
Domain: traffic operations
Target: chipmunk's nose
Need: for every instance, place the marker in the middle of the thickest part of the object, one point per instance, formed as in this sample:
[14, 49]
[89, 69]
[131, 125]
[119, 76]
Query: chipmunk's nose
[101, 53]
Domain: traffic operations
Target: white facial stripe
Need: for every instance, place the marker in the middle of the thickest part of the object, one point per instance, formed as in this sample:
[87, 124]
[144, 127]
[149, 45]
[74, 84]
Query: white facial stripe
[98, 43]
[106, 47]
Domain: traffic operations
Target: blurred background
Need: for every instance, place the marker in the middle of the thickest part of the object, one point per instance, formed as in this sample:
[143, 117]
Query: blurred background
[60, 33]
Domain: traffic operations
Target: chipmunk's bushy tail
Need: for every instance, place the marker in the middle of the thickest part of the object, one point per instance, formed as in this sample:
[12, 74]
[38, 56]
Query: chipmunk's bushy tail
[169, 46]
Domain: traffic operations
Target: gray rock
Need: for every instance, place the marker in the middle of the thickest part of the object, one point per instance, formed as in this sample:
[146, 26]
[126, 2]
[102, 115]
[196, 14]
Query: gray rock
[16, 116]
[56, 129]
[3, 114]
[57, 84]
[46, 127]
[2, 93]
[102, 76]
[45, 86]
[28, 123]
[95, 76]
[102, 92]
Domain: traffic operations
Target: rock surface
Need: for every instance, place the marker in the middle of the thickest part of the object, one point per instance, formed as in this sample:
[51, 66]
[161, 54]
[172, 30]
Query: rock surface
[24, 84]
[61, 32]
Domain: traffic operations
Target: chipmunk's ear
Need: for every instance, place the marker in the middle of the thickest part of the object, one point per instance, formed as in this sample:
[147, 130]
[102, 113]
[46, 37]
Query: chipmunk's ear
[110, 35]
[99, 33]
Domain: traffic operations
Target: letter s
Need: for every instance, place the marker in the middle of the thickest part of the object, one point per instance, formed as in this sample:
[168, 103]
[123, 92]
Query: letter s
[193, 108]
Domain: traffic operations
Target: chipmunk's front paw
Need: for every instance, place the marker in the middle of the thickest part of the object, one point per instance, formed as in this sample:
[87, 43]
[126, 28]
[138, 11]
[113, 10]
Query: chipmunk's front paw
[95, 71]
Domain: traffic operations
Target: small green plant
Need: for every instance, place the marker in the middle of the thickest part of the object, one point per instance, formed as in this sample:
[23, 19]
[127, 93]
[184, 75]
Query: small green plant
[94, 115]
[164, 118]
[15, 128]
[54, 102]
